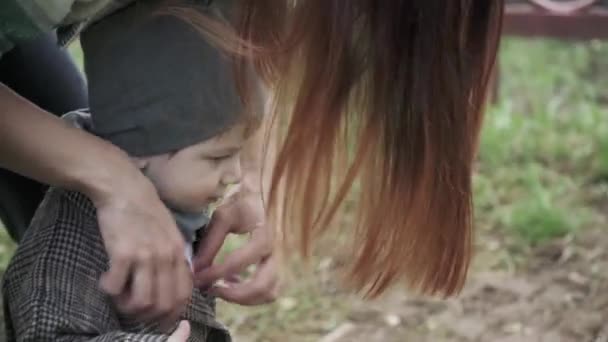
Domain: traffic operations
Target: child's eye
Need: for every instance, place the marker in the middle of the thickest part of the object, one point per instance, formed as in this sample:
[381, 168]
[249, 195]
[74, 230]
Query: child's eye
[221, 157]
[218, 159]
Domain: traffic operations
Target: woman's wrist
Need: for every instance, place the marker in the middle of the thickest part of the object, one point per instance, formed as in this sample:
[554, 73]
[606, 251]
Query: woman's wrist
[41, 146]
[112, 177]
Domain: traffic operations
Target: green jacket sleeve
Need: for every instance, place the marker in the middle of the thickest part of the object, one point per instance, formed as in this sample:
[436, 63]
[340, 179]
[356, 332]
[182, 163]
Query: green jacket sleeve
[22, 20]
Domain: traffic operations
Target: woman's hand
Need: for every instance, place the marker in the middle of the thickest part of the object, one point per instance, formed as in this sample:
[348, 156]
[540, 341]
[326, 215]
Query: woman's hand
[180, 334]
[241, 215]
[148, 276]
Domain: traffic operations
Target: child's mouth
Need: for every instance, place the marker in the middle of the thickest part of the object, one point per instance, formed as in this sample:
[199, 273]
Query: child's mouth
[215, 201]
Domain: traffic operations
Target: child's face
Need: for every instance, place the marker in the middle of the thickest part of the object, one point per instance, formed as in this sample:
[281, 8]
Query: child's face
[198, 175]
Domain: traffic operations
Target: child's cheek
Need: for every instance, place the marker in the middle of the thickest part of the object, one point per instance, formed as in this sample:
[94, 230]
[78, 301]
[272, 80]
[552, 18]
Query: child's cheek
[200, 191]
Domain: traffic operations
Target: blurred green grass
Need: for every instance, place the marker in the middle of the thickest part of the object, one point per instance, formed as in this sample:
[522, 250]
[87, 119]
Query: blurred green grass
[7, 248]
[544, 149]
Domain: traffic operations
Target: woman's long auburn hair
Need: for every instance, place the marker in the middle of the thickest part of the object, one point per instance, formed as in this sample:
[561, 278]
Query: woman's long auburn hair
[381, 97]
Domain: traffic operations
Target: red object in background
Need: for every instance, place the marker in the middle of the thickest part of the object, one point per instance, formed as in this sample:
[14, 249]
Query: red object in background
[562, 19]
[558, 19]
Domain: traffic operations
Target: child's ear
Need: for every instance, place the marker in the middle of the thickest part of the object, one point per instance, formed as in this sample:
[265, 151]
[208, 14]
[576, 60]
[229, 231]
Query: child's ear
[141, 163]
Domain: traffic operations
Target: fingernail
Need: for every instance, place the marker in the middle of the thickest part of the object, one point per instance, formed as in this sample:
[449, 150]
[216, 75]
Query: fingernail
[222, 284]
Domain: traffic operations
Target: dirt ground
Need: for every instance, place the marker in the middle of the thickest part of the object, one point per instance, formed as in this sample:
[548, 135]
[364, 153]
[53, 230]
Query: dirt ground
[559, 295]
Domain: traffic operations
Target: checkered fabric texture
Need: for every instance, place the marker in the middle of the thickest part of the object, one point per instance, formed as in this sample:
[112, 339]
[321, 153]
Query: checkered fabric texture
[51, 292]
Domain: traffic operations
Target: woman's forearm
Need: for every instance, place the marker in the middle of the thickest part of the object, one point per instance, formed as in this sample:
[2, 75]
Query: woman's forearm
[41, 146]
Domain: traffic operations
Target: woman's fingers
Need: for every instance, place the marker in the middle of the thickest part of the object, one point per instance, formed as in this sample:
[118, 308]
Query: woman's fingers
[261, 288]
[256, 249]
[146, 252]
[180, 334]
[166, 292]
[138, 299]
[181, 293]
[116, 279]
[214, 239]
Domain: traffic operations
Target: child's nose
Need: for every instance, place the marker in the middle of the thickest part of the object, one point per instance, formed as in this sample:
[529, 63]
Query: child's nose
[232, 175]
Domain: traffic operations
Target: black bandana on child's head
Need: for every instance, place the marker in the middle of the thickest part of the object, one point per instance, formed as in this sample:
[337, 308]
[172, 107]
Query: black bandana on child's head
[155, 84]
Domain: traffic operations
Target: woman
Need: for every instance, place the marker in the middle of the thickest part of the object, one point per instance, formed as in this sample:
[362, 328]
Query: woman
[400, 83]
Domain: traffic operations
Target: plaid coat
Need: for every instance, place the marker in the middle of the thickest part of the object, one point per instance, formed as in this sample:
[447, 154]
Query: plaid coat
[50, 288]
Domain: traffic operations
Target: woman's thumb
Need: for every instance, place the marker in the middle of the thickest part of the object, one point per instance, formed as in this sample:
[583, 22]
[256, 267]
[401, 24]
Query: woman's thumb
[180, 334]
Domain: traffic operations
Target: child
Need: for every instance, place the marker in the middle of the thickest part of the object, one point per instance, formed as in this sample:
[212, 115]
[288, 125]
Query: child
[182, 120]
